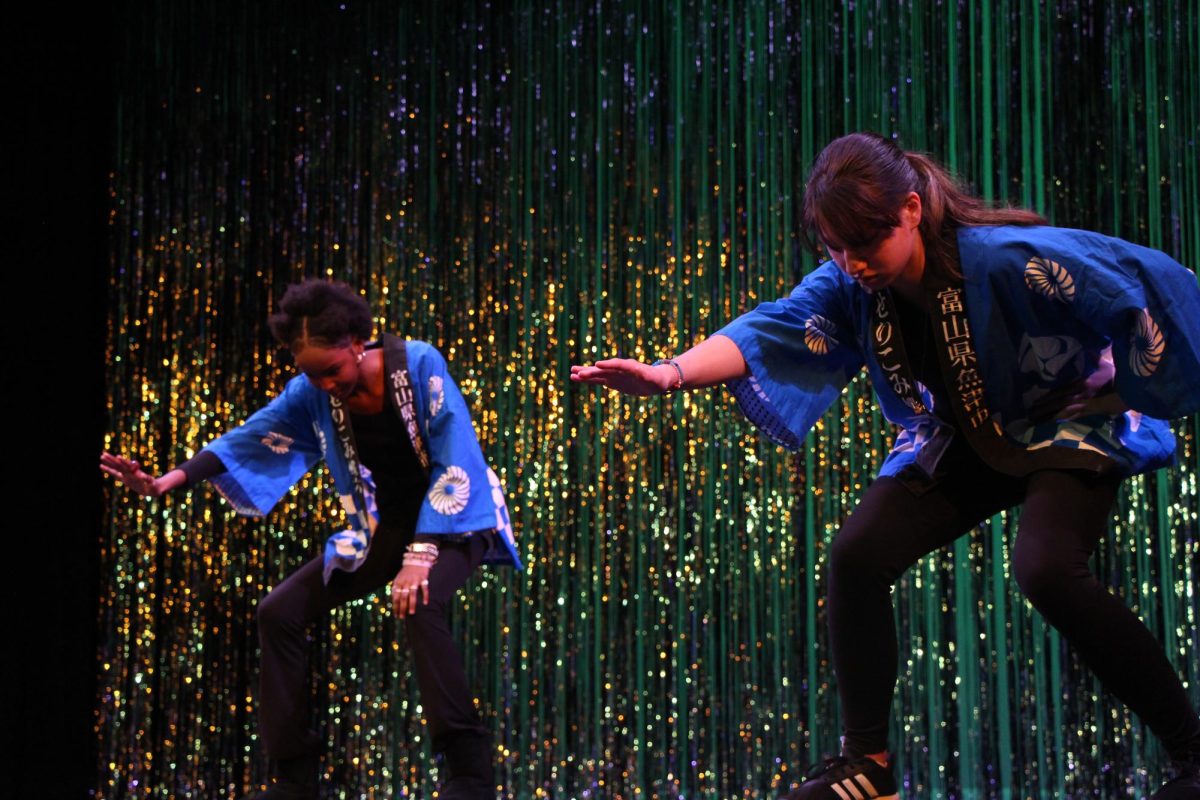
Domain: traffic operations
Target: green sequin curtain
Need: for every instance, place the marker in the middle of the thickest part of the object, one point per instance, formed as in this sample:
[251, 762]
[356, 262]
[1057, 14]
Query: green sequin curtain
[533, 185]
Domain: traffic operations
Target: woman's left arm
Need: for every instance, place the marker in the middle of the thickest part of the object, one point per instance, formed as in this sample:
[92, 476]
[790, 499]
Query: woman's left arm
[460, 498]
[1143, 302]
[1095, 394]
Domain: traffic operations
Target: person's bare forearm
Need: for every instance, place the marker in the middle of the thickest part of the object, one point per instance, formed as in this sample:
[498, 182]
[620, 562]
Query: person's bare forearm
[714, 361]
[172, 480]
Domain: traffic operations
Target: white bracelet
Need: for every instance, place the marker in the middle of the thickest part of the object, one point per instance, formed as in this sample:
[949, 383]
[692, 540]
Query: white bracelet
[679, 384]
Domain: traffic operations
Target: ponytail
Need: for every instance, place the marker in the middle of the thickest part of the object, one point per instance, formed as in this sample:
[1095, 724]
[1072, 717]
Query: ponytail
[859, 182]
[946, 206]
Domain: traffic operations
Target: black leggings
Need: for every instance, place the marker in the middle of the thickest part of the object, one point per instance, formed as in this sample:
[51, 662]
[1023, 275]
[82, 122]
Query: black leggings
[1063, 516]
[284, 615]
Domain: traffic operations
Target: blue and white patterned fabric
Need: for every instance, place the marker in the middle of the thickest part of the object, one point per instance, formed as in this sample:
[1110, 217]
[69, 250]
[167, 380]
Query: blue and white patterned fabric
[276, 446]
[1043, 304]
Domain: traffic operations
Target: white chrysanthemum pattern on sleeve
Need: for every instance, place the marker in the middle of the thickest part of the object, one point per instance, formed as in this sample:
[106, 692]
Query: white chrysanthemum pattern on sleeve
[1050, 279]
[819, 334]
[1146, 345]
[450, 492]
[277, 442]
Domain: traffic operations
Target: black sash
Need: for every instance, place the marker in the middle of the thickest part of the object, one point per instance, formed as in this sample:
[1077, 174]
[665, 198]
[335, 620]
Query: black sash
[395, 358]
[890, 353]
[395, 361]
[345, 434]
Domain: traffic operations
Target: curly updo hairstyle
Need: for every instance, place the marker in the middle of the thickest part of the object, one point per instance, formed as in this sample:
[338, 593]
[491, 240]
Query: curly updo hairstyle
[320, 313]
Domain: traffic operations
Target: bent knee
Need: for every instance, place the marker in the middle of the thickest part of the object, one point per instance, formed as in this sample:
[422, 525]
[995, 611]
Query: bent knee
[274, 614]
[852, 555]
[1043, 578]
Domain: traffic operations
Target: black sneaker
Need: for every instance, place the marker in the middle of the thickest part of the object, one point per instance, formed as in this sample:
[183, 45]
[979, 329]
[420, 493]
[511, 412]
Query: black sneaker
[292, 779]
[842, 778]
[467, 769]
[286, 790]
[1185, 786]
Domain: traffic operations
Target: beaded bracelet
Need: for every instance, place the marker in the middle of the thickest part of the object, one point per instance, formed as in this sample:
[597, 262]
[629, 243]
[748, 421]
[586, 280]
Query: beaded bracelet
[421, 554]
[679, 384]
[423, 547]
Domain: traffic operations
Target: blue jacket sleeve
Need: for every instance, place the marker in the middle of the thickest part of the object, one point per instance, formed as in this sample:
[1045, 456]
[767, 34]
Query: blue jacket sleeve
[269, 452]
[459, 499]
[802, 350]
[1143, 301]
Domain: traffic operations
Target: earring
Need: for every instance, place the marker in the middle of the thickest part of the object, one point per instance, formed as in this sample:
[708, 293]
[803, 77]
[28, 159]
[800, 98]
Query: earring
[358, 358]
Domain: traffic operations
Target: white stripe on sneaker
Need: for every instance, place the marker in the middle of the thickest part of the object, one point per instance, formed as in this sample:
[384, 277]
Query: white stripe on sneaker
[867, 785]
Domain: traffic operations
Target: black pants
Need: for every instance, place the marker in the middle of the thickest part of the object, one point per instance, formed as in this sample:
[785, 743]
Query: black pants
[284, 615]
[1063, 516]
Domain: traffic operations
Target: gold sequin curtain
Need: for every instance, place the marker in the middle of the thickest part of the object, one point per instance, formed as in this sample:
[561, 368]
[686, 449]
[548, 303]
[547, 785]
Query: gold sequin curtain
[529, 186]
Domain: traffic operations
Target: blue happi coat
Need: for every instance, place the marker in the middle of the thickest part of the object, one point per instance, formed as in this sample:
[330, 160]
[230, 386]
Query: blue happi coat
[277, 445]
[1042, 304]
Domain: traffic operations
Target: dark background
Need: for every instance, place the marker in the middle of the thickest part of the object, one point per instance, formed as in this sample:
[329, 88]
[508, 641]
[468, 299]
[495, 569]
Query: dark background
[61, 107]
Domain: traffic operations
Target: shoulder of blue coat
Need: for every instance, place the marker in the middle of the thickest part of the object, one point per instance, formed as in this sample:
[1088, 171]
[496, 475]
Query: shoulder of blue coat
[829, 271]
[300, 395]
[827, 276]
[422, 355]
[987, 248]
[300, 387]
[994, 249]
[1043, 238]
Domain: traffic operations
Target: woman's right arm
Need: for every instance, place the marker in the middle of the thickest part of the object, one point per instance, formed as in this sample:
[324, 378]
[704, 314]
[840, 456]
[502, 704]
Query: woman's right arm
[714, 361]
[253, 465]
[131, 474]
[200, 467]
[785, 361]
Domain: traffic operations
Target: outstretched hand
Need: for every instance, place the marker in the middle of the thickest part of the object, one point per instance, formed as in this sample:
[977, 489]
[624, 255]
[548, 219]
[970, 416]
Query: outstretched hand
[131, 474]
[627, 375]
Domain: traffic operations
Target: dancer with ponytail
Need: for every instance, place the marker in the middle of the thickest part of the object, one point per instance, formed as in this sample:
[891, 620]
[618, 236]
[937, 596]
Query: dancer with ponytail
[1024, 365]
[424, 510]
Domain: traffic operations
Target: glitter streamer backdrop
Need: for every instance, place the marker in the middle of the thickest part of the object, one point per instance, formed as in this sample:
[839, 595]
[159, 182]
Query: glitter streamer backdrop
[529, 186]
